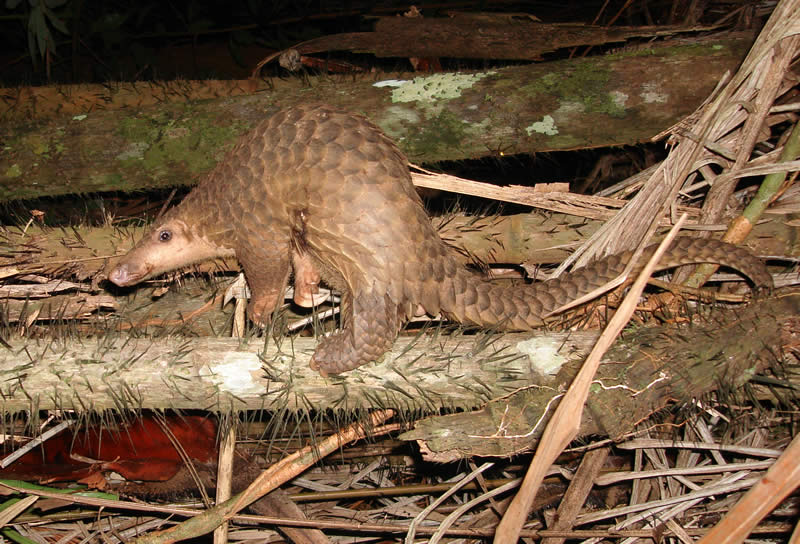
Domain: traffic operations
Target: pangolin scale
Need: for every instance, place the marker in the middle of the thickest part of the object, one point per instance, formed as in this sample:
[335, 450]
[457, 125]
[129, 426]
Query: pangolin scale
[327, 193]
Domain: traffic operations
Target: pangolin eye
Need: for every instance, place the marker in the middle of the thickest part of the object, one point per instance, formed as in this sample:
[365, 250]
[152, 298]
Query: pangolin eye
[164, 236]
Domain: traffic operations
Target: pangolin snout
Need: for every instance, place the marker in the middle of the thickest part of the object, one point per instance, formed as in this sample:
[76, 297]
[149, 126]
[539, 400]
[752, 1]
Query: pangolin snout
[122, 276]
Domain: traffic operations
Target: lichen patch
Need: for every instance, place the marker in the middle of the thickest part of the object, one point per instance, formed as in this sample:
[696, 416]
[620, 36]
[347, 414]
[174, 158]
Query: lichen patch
[436, 87]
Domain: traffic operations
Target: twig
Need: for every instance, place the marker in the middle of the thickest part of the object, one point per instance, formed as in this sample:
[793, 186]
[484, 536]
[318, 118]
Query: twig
[225, 478]
[577, 491]
[616, 477]
[434, 504]
[780, 480]
[740, 450]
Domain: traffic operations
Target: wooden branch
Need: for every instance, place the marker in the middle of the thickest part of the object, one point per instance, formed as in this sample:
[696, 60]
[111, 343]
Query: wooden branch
[576, 103]
[79, 98]
[82, 252]
[484, 36]
[477, 36]
[231, 374]
[418, 375]
[645, 371]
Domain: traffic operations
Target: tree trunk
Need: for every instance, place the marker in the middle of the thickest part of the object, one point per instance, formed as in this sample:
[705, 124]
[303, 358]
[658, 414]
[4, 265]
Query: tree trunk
[577, 103]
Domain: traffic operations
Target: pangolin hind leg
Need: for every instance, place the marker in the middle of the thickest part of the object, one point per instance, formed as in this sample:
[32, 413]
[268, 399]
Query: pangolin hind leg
[370, 323]
[306, 279]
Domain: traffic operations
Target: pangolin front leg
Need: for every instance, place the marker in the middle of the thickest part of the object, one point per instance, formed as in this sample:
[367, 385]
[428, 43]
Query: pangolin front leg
[370, 323]
[267, 273]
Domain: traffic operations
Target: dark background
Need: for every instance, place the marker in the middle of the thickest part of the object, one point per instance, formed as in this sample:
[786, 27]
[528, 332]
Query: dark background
[79, 41]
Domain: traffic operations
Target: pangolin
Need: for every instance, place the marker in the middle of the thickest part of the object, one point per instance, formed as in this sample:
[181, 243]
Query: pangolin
[329, 194]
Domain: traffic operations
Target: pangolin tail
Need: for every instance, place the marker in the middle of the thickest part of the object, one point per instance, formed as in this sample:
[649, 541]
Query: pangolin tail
[471, 301]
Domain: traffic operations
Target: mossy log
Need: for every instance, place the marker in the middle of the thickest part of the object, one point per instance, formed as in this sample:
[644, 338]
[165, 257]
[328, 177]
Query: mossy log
[569, 104]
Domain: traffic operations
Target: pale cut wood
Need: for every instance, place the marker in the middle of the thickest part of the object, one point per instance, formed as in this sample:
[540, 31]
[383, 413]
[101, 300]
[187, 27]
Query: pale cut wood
[588, 206]
[224, 478]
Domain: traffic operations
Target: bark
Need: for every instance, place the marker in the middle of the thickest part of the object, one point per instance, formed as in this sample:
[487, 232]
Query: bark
[477, 36]
[647, 369]
[419, 374]
[578, 103]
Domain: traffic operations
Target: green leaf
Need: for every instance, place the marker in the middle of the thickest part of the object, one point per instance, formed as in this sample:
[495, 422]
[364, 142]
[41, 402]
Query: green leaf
[38, 27]
[14, 536]
[56, 22]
